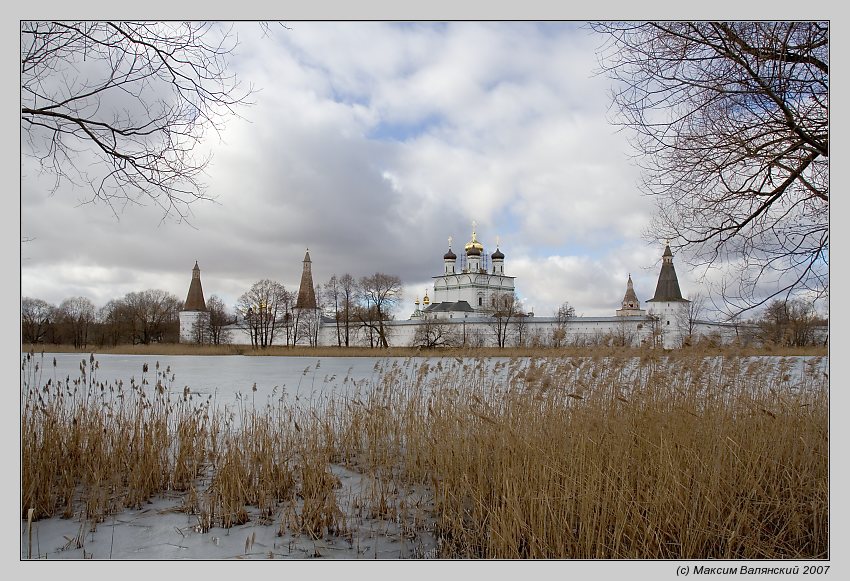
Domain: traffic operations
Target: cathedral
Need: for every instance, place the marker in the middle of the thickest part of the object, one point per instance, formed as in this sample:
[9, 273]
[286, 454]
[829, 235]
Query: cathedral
[471, 288]
[472, 304]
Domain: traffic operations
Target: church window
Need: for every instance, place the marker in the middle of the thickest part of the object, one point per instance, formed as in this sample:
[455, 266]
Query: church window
[480, 301]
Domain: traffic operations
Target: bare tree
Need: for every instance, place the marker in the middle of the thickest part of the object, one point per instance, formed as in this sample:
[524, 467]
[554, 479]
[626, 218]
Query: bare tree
[200, 331]
[730, 121]
[220, 318]
[562, 316]
[688, 318]
[339, 295]
[380, 294]
[520, 326]
[77, 314]
[432, 332]
[367, 317]
[656, 332]
[262, 311]
[789, 323]
[289, 321]
[36, 317]
[116, 323]
[154, 314]
[135, 97]
[623, 335]
[332, 294]
[308, 322]
[348, 299]
[505, 308]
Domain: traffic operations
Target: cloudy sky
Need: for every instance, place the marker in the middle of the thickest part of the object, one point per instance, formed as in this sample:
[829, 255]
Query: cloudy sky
[371, 144]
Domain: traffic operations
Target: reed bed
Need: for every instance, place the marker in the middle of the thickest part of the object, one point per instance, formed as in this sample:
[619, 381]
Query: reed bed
[593, 457]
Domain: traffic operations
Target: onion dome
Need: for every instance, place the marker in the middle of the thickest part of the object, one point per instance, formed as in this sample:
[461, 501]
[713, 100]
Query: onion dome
[426, 300]
[450, 255]
[497, 255]
[473, 247]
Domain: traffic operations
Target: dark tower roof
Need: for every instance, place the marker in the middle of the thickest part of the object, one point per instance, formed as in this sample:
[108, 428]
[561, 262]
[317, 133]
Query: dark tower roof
[668, 283]
[195, 298]
[449, 255]
[497, 255]
[306, 292]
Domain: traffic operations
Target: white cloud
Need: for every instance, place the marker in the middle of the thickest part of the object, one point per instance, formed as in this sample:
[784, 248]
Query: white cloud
[370, 143]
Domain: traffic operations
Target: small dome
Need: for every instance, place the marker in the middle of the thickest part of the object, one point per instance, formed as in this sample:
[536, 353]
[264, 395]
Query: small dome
[497, 255]
[449, 255]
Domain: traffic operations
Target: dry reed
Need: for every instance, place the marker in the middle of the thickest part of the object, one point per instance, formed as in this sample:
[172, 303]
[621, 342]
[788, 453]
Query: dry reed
[622, 456]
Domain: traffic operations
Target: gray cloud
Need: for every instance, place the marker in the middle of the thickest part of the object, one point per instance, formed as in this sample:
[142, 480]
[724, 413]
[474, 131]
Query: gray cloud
[371, 143]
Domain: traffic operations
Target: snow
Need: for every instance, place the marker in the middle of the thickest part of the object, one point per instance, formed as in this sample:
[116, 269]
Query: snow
[160, 531]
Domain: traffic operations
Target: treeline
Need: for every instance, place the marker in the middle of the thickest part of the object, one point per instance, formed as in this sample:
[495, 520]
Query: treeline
[791, 323]
[360, 308]
[150, 316]
[268, 311]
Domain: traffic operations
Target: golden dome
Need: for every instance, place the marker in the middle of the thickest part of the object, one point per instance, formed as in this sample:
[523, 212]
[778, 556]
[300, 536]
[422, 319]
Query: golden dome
[473, 243]
[426, 300]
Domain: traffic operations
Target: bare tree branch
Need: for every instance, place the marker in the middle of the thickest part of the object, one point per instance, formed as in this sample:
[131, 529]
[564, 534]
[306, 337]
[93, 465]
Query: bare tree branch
[122, 106]
[730, 124]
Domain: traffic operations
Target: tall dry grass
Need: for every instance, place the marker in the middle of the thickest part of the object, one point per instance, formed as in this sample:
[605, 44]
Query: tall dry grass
[582, 457]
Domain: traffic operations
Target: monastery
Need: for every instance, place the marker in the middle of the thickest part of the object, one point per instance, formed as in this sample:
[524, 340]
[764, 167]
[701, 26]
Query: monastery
[472, 306]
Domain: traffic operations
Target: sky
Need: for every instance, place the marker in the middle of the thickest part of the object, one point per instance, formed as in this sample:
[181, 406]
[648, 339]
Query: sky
[370, 144]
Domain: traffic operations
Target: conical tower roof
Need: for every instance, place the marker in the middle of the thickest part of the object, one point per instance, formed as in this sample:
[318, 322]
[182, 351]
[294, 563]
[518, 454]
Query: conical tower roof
[306, 292]
[195, 298]
[667, 288]
[630, 298]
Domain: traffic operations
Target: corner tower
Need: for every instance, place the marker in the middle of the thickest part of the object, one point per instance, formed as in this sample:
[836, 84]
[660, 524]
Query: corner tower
[306, 292]
[668, 305]
[194, 317]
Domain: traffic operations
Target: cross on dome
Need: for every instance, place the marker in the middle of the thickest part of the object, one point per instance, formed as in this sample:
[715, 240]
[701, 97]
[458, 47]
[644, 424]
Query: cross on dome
[474, 244]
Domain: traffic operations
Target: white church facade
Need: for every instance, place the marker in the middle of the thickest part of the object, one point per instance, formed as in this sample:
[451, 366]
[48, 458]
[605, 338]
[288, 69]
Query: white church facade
[471, 305]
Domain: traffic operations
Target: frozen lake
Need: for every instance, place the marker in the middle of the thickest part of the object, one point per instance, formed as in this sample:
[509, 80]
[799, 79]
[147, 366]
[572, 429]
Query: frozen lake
[225, 376]
[162, 530]
[263, 378]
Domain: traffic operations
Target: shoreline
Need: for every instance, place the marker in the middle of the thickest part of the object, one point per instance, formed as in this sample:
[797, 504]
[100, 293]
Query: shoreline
[178, 349]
